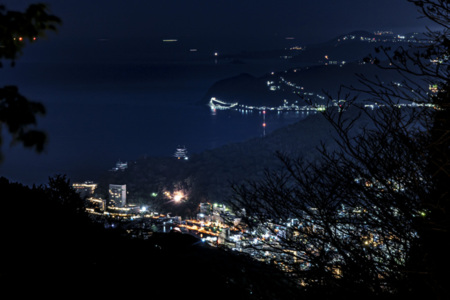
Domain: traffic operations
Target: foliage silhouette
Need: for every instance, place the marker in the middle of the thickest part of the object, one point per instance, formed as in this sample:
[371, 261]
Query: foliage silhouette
[17, 113]
[372, 215]
[48, 239]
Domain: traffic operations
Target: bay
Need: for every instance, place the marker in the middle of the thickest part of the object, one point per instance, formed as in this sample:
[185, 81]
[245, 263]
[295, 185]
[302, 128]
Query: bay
[102, 112]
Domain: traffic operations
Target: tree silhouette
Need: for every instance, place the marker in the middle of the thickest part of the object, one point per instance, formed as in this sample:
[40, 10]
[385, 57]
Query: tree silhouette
[370, 217]
[17, 113]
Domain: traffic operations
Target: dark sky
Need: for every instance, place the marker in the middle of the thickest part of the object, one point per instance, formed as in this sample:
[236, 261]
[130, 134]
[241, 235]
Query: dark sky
[228, 20]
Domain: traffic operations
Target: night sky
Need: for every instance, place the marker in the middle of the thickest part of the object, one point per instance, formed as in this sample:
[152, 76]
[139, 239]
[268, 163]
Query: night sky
[229, 21]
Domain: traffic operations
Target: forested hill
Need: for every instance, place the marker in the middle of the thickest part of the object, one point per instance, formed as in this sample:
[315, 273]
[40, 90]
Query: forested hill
[208, 176]
[294, 85]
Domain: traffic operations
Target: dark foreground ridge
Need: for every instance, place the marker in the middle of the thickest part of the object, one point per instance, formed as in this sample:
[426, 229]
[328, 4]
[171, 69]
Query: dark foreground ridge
[51, 250]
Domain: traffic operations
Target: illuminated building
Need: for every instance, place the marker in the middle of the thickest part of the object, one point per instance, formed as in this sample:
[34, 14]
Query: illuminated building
[205, 208]
[218, 104]
[433, 88]
[224, 236]
[118, 195]
[96, 203]
[181, 153]
[85, 189]
[120, 166]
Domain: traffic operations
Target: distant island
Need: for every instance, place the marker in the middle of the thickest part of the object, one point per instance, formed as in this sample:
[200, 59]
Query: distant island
[316, 77]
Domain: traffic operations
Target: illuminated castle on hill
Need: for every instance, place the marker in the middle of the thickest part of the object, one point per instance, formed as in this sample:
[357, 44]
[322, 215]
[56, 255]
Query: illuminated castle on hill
[181, 153]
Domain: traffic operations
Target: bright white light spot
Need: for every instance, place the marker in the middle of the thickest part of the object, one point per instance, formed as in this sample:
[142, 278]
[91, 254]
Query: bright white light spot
[177, 196]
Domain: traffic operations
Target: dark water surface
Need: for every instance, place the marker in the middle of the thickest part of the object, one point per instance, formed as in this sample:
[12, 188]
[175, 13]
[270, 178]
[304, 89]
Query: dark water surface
[98, 113]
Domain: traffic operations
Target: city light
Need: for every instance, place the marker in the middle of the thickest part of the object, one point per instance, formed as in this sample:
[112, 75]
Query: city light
[178, 196]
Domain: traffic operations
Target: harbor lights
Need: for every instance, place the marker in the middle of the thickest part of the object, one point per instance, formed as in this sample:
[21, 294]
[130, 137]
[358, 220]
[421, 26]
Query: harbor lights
[264, 122]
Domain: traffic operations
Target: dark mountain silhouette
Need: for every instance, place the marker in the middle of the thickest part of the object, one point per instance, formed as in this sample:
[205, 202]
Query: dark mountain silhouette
[310, 82]
[207, 176]
[318, 68]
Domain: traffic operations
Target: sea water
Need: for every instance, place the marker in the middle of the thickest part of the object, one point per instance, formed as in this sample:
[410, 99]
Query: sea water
[102, 112]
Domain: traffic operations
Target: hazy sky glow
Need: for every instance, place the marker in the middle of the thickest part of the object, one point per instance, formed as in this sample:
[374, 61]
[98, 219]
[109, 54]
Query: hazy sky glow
[227, 19]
